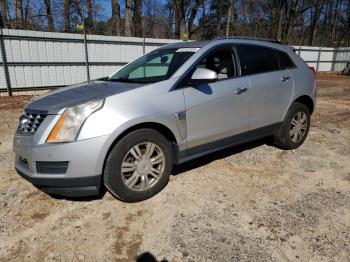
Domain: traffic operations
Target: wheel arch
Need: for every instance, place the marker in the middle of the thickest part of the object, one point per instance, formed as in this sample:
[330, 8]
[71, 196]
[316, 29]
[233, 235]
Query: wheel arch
[161, 128]
[306, 100]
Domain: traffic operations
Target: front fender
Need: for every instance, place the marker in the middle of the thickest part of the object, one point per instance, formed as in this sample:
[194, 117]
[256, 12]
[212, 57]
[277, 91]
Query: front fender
[129, 124]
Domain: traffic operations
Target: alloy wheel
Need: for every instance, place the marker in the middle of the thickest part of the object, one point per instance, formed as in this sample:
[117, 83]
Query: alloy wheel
[142, 166]
[298, 127]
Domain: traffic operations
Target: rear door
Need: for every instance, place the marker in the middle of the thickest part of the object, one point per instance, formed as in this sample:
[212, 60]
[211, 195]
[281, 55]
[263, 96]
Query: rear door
[216, 111]
[271, 84]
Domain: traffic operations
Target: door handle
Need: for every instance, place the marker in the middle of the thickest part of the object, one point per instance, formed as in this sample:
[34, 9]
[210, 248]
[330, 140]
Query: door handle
[285, 78]
[241, 90]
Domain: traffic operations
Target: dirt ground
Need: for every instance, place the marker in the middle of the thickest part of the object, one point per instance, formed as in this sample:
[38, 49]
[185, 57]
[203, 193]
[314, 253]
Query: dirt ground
[252, 203]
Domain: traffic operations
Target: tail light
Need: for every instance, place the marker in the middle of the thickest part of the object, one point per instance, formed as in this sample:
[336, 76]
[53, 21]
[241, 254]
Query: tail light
[312, 69]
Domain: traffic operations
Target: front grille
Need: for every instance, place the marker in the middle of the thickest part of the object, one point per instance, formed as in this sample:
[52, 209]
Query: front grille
[29, 122]
[59, 167]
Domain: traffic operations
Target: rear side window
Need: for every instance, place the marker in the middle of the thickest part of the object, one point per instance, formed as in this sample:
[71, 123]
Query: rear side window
[257, 59]
[286, 61]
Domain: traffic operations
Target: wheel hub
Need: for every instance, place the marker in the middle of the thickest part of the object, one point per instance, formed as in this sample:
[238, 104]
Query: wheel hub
[144, 166]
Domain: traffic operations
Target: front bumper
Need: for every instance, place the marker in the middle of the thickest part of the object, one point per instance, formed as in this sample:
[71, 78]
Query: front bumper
[84, 164]
[70, 187]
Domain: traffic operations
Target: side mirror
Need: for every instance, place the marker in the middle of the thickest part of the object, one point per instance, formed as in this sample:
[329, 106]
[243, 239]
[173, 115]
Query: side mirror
[203, 75]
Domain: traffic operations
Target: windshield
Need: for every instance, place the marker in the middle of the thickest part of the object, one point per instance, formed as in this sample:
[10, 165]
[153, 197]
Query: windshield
[153, 67]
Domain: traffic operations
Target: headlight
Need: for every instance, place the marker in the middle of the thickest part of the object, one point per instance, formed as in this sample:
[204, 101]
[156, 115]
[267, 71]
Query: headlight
[68, 125]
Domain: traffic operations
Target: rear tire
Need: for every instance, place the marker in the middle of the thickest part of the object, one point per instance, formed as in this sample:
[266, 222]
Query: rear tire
[295, 127]
[138, 166]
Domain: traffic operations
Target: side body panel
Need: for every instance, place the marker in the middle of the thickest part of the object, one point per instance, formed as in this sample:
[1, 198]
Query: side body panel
[271, 95]
[214, 111]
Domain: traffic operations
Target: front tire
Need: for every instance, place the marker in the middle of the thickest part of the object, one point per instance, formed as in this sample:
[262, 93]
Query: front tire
[295, 127]
[138, 166]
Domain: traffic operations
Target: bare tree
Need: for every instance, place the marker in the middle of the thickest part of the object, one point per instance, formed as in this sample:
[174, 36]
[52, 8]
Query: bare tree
[4, 12]
[50, 25]
[229, 15]
[316, 9]
[335, 21]
[66, 13]
[137, 20]
[90, 21]
[170, 14]
[115, 17]
[128, 17]
[19, 13]
[180, 25]
[193, 14]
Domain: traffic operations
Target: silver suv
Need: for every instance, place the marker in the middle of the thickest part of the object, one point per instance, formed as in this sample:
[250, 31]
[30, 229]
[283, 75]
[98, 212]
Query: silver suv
[176, 103]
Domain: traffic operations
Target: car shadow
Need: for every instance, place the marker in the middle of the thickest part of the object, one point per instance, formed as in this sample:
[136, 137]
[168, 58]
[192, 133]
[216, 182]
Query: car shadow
[220, 154]
[103, 191]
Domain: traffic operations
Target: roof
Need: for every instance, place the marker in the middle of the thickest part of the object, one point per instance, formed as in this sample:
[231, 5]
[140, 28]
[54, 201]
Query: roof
[189, 44]
[249, 38]
[199, 44]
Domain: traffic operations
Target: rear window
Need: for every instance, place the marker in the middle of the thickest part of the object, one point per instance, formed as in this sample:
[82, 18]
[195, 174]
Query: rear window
[257, 59]
[286, 61]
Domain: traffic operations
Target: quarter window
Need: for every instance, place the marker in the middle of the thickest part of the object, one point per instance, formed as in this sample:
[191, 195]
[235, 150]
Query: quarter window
[257, 59]
[285, 60]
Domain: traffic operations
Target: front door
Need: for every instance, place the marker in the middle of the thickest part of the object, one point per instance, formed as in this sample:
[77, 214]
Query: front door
[219, 110]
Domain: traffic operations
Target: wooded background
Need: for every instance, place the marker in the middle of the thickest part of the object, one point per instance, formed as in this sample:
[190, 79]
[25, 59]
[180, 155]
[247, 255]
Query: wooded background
[295, 22]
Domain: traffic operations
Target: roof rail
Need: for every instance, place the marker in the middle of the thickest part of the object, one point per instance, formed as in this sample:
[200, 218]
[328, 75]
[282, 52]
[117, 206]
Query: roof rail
[249, 38]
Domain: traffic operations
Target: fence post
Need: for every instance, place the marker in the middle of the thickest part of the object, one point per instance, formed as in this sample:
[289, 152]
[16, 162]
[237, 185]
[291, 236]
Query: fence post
[4, 63]
[334, 58]
[86, 57]
[318, 59]
[144, 45]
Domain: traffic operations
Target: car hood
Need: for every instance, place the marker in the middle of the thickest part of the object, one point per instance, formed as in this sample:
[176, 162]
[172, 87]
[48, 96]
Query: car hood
[53, 102]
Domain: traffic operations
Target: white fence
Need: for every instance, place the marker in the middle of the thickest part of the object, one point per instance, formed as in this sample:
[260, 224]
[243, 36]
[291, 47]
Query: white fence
[324, 58]
[34, 60]
[47, 60]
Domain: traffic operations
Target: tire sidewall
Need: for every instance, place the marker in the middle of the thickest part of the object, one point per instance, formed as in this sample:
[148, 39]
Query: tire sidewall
[112, 173]
[284, 134]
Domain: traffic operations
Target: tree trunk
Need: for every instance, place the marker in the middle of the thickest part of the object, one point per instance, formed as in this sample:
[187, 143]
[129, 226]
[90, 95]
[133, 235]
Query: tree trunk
[50, 25]
[229, 15]
[90, 20]
[219, 15]
[335, 22]
[170, 21]
[128, 17]
[180, 27]
[19, 14]
[290, 20]
[137, 22]
[325, 19]
[26, 17]
[317, 8]
[348, 23]
[4, 12]
[279, 23]
[115, 17]
[66, 14]
[192, 17]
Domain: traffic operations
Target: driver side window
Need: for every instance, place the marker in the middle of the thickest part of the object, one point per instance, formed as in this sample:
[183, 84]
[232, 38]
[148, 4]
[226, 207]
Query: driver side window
[220, 61]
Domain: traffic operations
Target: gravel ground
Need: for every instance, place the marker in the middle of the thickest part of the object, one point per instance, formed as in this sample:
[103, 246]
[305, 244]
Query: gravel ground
[252, 203]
